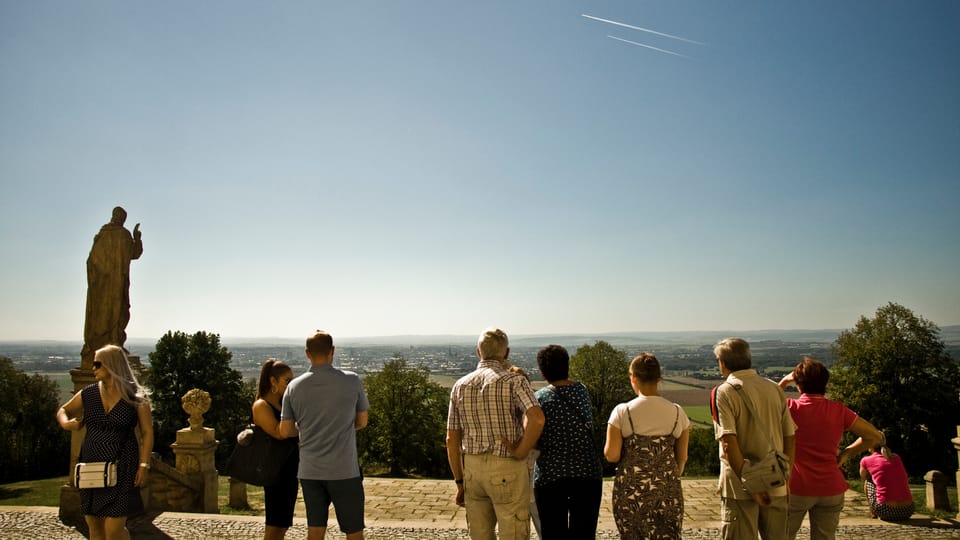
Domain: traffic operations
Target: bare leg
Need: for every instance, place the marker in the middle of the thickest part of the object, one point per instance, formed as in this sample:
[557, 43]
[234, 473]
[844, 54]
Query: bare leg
[355, 536]
[316, 533]
[116, 528]
[96, 527]
[274, 533]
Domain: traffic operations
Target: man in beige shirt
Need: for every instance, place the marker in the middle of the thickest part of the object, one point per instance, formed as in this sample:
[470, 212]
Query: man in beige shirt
[744, 435]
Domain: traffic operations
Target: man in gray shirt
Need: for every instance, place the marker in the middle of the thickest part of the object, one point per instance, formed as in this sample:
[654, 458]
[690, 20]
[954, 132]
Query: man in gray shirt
[328, 406]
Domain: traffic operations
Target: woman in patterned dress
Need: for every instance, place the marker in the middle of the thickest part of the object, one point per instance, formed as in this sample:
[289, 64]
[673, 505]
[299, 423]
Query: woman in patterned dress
[110, 410]
[648, 438]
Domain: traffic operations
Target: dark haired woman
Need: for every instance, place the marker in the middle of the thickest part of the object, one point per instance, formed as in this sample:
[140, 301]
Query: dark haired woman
[568, 478]
[648, 438]
[817, 484]
[111, 409]
[281, 497]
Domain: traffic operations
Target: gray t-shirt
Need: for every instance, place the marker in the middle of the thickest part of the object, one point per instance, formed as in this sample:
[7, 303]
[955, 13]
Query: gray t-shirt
[324, 403]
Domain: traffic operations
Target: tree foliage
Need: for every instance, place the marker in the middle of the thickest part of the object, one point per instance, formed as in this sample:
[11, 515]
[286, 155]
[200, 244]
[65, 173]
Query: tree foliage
[893, 370]
[407, 421]
[181, 362]
[33, 445]
[605, 371]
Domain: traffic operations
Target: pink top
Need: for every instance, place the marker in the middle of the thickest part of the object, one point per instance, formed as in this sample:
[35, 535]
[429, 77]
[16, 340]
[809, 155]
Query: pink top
[820, 424]
[889, 476]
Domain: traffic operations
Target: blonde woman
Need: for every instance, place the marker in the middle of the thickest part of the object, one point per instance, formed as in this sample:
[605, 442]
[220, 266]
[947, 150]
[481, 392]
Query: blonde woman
[111, 409]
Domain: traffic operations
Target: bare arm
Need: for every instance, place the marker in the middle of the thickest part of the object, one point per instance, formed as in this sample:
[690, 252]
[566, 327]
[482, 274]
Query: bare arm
[533, 422]
[288, 428]
[680, 448]
[70, 415]
[455, 459]
[362, 418]
[145, 422]
[790, 447]
[265, 419]
[614, 444]
[868, 437]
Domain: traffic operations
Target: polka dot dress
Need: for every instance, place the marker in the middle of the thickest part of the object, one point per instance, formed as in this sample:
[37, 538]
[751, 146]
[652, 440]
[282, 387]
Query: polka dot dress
[566, 444]
[105, 435]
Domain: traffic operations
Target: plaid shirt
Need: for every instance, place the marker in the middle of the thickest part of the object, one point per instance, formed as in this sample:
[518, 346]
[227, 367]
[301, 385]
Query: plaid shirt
[487, 406]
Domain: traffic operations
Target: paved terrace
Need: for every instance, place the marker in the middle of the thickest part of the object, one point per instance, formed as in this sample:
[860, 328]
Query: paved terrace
[424, 509]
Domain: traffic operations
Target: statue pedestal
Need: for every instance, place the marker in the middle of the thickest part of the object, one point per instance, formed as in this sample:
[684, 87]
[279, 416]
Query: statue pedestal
[194, 450]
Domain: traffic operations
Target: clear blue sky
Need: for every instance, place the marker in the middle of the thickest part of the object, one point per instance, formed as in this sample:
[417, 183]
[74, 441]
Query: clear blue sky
[422, 167]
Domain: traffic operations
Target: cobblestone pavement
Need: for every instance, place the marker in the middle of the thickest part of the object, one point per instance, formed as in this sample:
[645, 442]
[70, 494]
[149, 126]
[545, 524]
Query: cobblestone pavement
[424, 509]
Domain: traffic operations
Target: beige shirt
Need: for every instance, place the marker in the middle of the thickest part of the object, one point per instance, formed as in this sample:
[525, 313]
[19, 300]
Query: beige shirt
[753, 434]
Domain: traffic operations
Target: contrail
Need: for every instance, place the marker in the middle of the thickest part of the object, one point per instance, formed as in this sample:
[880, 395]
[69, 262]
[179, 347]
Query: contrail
[641, 29]
[647, 46]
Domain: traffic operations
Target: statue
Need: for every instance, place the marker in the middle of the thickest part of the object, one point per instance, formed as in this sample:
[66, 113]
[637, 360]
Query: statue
[108, 285]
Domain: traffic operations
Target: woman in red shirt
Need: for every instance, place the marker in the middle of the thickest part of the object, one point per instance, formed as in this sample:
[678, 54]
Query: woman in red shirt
[817, 483]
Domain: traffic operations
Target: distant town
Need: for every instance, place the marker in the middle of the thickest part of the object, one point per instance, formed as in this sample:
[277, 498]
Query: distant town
[683, 354]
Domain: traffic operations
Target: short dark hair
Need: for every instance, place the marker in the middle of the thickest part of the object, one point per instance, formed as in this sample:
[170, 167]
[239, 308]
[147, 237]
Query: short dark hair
[554, 363]
[320, 343]
[811, 376]
[646, 368]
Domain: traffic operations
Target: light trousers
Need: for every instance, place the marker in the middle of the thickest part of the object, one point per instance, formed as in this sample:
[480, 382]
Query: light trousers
[496, 496]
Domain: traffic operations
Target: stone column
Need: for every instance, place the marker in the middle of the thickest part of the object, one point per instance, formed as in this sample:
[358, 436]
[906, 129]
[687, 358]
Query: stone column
[195, 449]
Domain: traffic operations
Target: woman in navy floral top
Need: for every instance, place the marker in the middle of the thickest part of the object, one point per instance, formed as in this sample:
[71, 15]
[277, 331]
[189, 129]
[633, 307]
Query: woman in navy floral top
[568, 478]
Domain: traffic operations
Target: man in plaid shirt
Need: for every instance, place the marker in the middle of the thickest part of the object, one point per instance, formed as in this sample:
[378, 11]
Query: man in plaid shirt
[493, 422]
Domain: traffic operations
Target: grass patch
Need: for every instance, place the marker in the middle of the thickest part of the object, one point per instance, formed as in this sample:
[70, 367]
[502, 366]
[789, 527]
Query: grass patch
[699, 414]
[44, 492]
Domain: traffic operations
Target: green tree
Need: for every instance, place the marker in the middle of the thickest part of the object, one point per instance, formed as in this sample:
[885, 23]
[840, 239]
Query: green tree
[33, 444]
[407, 422]
[605, 371]
[703, 458]
[181, 362]
[893, 370]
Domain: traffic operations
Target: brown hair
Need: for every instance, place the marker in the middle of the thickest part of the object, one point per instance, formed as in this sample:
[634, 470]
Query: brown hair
[811, 376]
[320, 343]
[646, 368]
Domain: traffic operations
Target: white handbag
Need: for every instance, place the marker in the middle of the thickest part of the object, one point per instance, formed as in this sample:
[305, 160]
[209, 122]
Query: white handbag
[99, 474]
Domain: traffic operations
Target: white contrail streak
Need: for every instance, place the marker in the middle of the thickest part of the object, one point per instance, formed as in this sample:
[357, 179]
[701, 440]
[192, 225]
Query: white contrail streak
[625, 25]
[647, 46]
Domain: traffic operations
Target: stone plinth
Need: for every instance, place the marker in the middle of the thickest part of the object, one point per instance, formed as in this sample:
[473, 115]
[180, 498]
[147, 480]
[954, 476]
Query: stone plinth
[69, 494]
[194, 451]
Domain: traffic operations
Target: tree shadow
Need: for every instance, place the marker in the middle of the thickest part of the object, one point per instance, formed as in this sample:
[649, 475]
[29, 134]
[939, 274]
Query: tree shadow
[13, 493]
[930, 522]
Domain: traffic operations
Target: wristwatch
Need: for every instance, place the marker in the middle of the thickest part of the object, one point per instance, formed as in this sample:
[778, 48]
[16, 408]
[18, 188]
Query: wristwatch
[145, 466]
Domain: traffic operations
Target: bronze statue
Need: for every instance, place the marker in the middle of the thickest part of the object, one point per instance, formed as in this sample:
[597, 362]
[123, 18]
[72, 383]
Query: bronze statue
[108, 285]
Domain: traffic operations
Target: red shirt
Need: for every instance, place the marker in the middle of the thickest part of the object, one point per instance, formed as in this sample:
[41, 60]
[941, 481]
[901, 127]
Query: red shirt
[820, 424]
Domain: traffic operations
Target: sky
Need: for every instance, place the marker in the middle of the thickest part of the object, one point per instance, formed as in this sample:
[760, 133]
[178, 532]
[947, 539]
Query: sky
[380, 168]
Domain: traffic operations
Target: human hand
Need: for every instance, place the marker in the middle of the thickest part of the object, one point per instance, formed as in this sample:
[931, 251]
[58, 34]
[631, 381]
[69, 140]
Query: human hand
[459, 497]
[763, 498]
[74, 424]
[142, 474]
[513, 448]
[136, 231]
[787, 380]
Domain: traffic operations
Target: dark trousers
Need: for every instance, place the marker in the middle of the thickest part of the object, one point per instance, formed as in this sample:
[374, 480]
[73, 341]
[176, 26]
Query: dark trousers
[569, 508]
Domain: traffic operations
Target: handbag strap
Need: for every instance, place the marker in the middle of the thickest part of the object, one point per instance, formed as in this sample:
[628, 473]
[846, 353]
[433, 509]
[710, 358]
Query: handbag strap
[750, 408]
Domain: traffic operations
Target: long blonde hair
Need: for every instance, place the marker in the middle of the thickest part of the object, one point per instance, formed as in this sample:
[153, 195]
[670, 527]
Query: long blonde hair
[114, 359]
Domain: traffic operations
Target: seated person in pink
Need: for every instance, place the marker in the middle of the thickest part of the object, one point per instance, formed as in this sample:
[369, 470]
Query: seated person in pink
[817, 483]
[885, 483]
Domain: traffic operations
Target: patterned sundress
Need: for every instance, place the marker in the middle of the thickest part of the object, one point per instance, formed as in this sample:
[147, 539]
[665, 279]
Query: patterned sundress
[105, 435]
[647, 495]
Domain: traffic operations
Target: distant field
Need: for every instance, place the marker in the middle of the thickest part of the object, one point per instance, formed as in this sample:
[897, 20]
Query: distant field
[699, 414]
